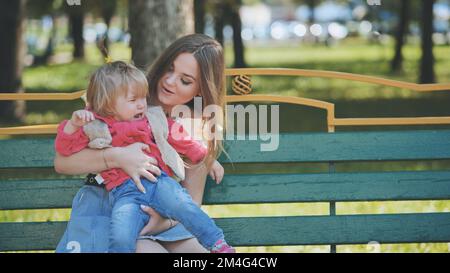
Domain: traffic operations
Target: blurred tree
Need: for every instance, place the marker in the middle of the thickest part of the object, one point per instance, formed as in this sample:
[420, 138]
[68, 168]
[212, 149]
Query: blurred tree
[12, 47]
[311, 5]
[108, 8]
[400, 36]
[427, 60]
[227, 12]
[199, 15]
[76, 24]
[236, 24]
[150, 35]
[37, 9]
[219, 8]
[105, 10]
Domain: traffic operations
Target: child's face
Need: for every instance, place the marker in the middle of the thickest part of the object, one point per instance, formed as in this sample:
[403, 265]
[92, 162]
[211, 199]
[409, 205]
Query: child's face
[130, 107]
[180, 83]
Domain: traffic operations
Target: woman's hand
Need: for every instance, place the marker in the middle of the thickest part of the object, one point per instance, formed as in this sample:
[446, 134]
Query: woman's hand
[217, 172]
[132, 160]
[157, 223]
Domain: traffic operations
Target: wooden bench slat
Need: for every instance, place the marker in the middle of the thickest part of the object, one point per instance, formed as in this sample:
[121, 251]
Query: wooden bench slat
[305, 147]
[38, 194]
[27, 153]
[257, 231]
[259, 188]
[344, 146]
[327, 187]
[345, 229]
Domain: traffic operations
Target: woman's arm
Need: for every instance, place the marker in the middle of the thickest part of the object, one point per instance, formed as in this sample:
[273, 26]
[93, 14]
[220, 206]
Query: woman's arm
[85, 161]
[131, 159]
[195, 182]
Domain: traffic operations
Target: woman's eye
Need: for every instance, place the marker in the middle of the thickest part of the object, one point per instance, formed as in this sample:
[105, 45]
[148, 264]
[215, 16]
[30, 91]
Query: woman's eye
[185, 82]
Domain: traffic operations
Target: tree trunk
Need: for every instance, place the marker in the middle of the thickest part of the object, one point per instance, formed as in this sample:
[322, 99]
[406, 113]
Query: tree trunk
[238, 45]
[311, 5]
[311, 20]
[49, 50]
[219, 20]
[397, 61]
[199, 15]
[76, 19]
[427, 60]
[12, 49]
[108, 9]
[155, 24]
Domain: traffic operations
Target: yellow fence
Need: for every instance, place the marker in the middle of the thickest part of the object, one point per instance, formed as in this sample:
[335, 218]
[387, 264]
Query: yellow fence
[241, 85]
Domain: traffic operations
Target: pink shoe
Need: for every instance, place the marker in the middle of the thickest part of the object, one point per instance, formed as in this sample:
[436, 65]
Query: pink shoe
[222, 247]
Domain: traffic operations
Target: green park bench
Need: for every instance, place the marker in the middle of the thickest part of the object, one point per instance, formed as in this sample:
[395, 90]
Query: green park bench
[331, 186]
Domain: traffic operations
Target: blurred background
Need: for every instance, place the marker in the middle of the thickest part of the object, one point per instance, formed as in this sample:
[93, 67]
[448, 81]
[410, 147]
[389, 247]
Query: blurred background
[53, 46]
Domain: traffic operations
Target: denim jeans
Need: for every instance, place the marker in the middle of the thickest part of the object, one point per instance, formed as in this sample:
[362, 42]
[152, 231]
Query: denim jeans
[169, 199]
[88, 228]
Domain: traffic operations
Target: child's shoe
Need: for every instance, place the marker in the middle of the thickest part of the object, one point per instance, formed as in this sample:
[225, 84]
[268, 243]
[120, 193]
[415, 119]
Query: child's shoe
[222, 247]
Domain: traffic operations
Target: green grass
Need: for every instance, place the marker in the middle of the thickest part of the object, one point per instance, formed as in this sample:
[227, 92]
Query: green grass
[352, 100]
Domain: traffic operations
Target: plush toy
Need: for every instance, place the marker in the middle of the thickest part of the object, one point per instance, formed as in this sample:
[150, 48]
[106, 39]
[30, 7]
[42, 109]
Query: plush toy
[98, 134]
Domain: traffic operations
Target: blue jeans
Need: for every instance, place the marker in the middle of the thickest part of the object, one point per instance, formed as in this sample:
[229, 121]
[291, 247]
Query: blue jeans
[88, 228]
[169, 199]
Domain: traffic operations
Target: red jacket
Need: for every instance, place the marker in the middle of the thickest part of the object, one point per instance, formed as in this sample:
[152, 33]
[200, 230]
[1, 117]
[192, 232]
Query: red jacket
[125, 133]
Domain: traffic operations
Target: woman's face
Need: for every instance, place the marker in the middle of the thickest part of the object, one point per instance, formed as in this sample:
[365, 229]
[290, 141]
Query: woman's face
[180, 83]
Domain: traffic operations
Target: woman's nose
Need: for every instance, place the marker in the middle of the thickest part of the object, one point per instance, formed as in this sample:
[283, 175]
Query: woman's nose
[170, 78]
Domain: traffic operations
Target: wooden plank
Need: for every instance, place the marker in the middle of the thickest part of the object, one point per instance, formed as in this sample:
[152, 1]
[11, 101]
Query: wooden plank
[327, 187]
[38, 194]
[282, 99]
[258, 188]
[305, 147]
[349, 229]
[344, 146]
[336, 75]
[26, 153]
[43, 129]
[389, 121]
[30, 236]
[296, 230]
[42, 96]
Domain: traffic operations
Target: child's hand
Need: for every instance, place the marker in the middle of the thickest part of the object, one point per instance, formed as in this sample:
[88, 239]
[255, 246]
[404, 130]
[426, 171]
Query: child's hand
[217, 172]
[81, 118]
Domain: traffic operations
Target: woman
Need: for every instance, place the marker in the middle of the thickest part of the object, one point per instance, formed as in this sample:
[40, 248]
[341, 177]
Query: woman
[192, 66]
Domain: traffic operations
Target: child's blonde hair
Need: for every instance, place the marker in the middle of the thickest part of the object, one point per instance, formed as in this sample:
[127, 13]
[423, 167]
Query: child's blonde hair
[111, 81]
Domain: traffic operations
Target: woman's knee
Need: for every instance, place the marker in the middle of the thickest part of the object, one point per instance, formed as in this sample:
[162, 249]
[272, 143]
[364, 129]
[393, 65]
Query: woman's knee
[149, 246]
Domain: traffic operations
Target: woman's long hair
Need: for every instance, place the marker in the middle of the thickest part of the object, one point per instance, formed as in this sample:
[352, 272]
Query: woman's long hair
[209, 55]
